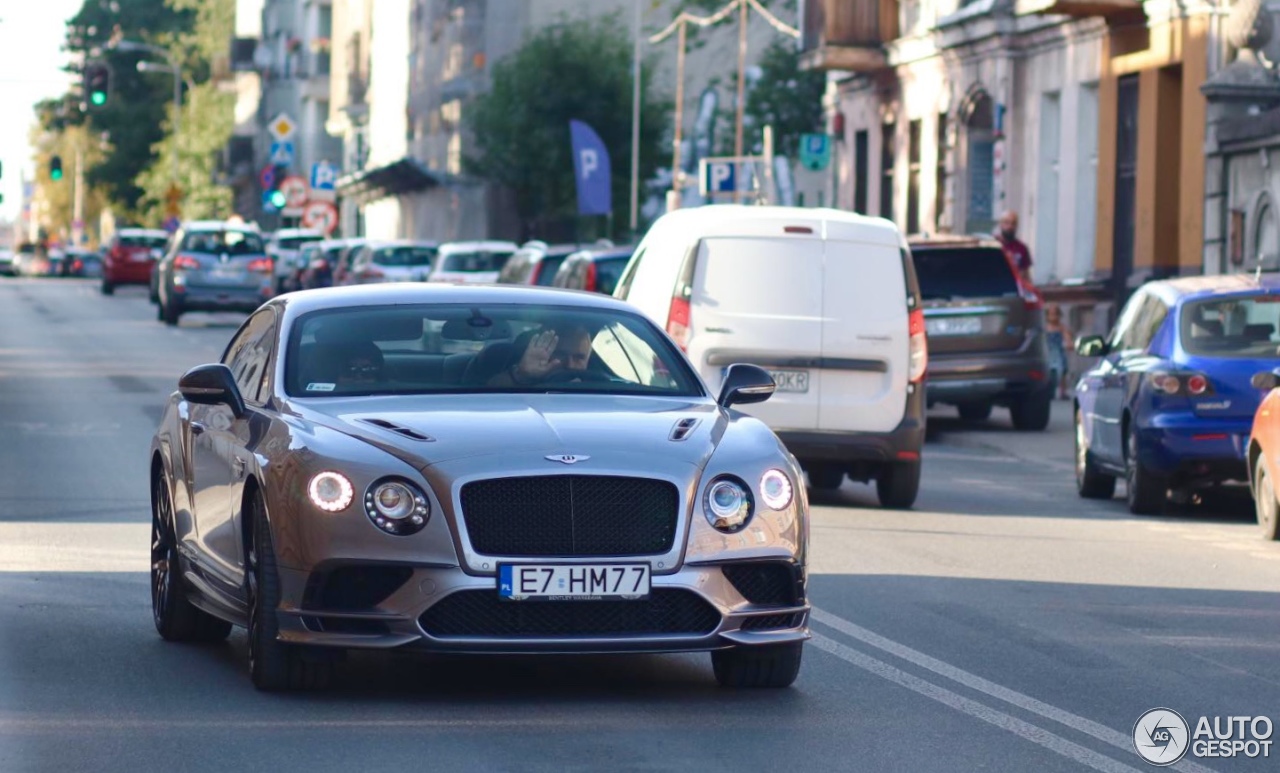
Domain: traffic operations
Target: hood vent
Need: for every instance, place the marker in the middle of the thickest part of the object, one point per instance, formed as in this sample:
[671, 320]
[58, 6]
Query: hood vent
[682, 429]
[399, 430]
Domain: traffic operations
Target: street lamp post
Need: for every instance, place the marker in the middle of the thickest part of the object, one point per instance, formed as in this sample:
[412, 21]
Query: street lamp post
[170, 66]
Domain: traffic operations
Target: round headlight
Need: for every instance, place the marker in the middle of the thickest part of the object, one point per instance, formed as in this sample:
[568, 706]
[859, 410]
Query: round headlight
[727, 505]
[330, 491]
[397, 507]
[775, 489]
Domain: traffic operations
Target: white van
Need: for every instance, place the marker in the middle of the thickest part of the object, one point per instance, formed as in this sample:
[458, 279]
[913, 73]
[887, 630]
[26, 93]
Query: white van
[827, 301]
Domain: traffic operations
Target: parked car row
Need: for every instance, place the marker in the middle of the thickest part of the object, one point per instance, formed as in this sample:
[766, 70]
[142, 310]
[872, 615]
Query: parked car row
[57, 262]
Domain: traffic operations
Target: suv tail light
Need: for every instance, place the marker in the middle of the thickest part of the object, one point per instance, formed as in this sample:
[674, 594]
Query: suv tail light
[918, 351]
[590, 282]
[260, 265]
[678, 322]
[186, 262]
[369, 272]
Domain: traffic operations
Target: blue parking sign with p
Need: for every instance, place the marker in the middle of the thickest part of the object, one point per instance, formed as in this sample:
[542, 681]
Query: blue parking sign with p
[323, 176]
[720, 177]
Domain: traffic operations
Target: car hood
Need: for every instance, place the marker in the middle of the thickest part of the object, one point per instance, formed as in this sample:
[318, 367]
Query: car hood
[620, 431]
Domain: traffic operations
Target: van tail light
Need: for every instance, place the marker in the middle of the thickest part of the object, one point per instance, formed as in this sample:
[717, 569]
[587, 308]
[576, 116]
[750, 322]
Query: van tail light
[371, 273]
[678, 322]
[918, 350]
[590, 282]
[186, 262]
[533, 275]
[77, 266]
[261, 265]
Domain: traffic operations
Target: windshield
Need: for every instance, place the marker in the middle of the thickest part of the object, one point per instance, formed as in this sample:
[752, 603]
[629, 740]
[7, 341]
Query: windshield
[1234, 327]
[475, 261]
[404, 256]
[218, 242]
[964, 272]
[503, 348]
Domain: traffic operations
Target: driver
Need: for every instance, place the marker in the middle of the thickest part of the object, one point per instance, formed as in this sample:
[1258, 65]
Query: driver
[563, 347]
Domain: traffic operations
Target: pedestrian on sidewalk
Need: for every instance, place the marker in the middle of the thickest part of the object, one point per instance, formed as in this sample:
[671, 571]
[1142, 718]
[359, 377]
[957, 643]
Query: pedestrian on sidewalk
[1015, 250]
[1060, 340]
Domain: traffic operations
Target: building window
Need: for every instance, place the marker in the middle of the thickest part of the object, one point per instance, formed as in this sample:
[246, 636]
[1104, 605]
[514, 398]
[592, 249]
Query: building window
[453, 164]
[913, 176]
[940, 177]
[980, 128]
[887, 132]
[451, 115]
[1266, 235]
[861, 141]
[453, 62]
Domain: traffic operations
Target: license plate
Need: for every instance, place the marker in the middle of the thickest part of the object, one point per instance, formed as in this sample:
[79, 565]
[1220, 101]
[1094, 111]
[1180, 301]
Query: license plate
[953, 326]
[577, 582]
[225, 276]
[791, 380]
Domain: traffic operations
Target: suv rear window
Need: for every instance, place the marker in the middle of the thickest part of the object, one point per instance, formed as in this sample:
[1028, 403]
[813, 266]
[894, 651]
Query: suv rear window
[150, 242]
[217, 242]
[404, 256]
[475, 261]
[963, 272]
[295, 242]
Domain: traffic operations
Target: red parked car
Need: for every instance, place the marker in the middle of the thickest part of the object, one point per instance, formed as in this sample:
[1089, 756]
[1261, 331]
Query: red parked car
[130, 256]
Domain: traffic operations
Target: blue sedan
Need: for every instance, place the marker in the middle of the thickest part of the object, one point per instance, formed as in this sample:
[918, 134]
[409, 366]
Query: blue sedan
[1170, 405]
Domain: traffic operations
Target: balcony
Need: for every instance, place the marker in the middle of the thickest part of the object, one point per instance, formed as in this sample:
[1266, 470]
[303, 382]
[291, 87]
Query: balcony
[847, 34]
[1077, 8]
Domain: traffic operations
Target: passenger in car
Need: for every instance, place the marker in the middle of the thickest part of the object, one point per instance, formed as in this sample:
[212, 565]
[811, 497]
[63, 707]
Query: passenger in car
[363, 366]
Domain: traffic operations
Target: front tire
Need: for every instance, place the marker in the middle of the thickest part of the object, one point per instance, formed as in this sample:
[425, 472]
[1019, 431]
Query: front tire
[171, 312]
[108, 288]
[1147, 490]
[1264, 499]
[771, 666]
[274, 666]
[175, 617]
[1091, 483]
[898, 484]
[1032, 412]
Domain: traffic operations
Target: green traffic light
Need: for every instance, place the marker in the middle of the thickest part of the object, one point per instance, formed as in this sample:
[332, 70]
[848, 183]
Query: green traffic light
[277, 199]
[55, 174]
[98, 98]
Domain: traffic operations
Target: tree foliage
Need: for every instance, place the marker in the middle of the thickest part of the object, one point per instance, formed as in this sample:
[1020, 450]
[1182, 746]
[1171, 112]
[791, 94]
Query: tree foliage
[785, 97]
[572, 70]
[207, 120]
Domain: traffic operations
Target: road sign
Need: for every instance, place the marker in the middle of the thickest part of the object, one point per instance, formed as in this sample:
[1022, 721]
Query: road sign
[267, 177]
[815, 151]
[294, 188]
[281, 127]
[323, 176]
[171, 224]
[719, 176]
[320, 215]
[282, 153]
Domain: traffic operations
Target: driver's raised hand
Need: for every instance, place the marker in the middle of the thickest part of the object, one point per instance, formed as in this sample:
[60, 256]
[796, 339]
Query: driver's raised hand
[538, 359]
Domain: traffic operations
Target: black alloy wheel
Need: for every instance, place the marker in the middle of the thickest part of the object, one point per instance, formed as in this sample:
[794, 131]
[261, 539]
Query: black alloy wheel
[175, 617]
[1147, 491]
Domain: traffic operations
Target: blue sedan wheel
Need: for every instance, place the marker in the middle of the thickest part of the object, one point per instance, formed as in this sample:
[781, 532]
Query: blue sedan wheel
[1091, 483]
[1146, 490]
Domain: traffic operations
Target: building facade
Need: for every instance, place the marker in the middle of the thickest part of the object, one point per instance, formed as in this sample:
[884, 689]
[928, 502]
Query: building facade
[1083, 116]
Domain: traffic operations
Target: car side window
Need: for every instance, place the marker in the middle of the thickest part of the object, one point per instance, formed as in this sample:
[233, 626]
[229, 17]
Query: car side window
[1122, 337]
[628, 275]
[1152, 318]
[249, 356]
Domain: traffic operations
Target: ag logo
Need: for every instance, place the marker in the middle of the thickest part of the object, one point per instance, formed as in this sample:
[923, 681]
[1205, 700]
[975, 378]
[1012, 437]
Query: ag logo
[1160, 736]
[566, 458]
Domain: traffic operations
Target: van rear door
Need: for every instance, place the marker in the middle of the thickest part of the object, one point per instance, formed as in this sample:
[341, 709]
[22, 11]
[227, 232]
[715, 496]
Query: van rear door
[758, 299]
[865, 334]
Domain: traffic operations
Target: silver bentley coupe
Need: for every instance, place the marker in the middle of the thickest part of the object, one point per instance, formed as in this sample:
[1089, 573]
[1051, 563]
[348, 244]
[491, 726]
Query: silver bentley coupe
[473, 469]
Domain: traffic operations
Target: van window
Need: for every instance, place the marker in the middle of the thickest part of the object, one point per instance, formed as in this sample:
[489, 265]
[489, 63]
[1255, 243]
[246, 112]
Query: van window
[760, 276]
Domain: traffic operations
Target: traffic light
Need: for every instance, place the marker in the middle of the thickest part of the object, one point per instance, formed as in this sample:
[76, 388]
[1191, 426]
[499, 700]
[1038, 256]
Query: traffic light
[275, 197]
[55, 168]
[97, 83]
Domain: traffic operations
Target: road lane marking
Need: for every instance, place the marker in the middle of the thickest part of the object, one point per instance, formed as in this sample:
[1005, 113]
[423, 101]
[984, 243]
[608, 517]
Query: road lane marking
[975, 682]
[1033, 733]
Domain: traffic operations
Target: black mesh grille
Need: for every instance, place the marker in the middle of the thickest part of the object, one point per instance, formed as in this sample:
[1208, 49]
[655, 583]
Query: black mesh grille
[571, 515]
[482, 613]
[766, 583]
[356, 587]
[764, 622]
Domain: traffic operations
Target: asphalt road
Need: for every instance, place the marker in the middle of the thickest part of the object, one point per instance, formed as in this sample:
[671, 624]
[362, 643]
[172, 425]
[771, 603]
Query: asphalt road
[1002, 625]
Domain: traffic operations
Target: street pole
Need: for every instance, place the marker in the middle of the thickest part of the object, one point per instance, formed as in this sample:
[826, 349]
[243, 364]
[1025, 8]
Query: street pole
[77, 205]
[177, 119]
[635, 126]
[742, 77]
[676, 182]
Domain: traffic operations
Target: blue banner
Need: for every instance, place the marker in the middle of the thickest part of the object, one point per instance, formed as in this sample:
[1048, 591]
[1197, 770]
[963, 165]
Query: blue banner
[591, 170]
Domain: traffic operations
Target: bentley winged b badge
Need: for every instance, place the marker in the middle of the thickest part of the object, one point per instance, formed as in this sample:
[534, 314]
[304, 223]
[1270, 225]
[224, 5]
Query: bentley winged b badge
[566, 458]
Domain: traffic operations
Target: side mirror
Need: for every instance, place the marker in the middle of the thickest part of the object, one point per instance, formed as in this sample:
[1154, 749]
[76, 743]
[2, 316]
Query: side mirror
[1091, 346]
[212, 385]
[745, 384]
[1266, 380]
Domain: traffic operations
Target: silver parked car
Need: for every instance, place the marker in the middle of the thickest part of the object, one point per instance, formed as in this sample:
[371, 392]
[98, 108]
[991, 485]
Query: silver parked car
[478, 470]
[213, 266]
[392, 261]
